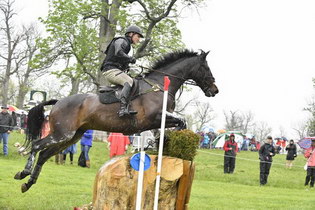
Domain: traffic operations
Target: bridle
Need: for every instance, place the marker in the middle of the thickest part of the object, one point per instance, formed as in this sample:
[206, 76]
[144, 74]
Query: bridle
[186, 82]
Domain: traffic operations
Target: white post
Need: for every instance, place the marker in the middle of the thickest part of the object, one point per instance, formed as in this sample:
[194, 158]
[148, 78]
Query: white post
[140, 175]
[138, 143]
[160, 155]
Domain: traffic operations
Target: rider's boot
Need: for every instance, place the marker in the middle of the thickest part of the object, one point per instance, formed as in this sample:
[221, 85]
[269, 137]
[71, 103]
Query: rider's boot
[124, 101]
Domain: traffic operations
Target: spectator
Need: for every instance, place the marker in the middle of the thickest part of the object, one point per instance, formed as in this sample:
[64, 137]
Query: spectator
[230, 147]
[266, 152]
[45, 127]
[71, 150]
[206, 141]
[258, 145]
[118, 144]
[283, 144]
[14, 117]
[23, 122]
[253, 144]
[86, 144]
[245, 144]
[148, 138]
[212, 136]
[310, 154]
[6, 126]
[44, 132]
[291, 149]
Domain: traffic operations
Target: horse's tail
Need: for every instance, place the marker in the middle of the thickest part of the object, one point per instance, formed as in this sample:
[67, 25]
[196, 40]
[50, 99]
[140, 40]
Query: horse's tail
[35, 119]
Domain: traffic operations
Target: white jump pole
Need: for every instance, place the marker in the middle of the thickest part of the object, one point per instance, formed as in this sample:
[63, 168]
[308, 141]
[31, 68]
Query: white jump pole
[160, 155]
[140, 175]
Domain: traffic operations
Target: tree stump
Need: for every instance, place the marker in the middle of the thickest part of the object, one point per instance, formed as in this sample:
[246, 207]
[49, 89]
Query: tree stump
[115, 186]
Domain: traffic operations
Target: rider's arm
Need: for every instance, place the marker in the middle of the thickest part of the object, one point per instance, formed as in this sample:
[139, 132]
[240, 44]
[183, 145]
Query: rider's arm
[120, 46]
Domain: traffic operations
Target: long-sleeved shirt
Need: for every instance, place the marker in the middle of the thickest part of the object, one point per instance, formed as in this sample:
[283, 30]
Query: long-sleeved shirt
[266, 152]
[310, 154]
[6, 122]
[229, 144]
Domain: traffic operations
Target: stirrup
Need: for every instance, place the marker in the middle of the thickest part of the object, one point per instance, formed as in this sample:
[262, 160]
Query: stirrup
[125, 111]
[131, 112]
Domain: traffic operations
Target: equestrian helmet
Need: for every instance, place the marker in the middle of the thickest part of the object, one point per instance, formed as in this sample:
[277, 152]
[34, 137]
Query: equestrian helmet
[134, 29]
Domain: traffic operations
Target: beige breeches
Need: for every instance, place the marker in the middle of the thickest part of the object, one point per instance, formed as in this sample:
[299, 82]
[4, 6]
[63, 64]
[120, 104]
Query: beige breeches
[117, 77]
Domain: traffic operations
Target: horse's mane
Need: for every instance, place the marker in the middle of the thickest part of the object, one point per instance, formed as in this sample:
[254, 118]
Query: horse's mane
[171, 57]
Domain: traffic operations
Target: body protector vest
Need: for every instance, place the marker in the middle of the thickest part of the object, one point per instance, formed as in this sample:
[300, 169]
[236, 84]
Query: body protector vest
[117, 54]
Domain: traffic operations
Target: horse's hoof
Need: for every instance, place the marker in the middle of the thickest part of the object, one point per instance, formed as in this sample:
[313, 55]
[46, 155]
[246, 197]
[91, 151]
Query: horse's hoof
[18, 176]
[24, 188]
[21, 175]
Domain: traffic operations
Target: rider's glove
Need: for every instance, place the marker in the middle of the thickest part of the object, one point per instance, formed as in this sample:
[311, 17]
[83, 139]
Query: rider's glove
[132, 60]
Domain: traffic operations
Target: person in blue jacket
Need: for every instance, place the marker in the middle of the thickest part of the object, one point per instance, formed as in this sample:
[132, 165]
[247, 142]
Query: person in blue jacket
[86, 144]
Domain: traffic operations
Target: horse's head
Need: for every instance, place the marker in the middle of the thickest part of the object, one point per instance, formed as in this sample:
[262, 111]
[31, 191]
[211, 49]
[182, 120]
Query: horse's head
[203, 76]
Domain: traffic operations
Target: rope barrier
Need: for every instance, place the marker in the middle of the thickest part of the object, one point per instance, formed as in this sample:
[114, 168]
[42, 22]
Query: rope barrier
[274, 163]
[6, 126]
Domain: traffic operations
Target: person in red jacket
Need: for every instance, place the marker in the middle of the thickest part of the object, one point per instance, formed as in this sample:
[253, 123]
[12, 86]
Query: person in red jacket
[230, 148]
[310, 154]
[118, 144]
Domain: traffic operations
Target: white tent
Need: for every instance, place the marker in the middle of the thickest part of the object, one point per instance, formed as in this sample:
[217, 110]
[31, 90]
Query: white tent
[220, 140]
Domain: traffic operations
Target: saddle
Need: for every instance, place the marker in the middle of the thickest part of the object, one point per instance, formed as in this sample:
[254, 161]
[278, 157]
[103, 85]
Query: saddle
[111, 94]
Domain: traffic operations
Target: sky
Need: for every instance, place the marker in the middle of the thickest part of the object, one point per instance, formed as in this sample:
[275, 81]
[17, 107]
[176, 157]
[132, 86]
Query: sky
[261, 54]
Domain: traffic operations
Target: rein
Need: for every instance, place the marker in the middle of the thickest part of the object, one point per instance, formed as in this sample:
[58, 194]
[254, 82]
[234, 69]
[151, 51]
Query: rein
[171, 75]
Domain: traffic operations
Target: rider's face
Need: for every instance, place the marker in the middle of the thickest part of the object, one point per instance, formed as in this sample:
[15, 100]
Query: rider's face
[135, 38]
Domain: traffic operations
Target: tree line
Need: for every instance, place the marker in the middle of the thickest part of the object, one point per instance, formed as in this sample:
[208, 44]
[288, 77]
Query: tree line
[76, 34]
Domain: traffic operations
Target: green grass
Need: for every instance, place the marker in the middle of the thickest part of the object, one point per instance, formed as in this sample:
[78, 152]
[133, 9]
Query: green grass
[66, 186]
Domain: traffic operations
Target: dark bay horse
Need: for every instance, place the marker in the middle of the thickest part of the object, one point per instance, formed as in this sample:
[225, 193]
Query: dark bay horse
[72, 116]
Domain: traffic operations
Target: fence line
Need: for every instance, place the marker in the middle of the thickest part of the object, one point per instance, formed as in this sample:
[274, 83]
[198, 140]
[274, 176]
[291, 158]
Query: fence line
[274, 163]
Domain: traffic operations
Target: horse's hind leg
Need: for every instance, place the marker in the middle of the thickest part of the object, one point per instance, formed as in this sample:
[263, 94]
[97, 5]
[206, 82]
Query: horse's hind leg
[28, 167]
[36, 146]
[42, 158]
[44, 155]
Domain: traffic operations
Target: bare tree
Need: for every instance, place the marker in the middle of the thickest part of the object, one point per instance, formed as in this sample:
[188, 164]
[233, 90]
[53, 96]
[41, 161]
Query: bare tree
[182, 105]
[28, 72]
[233, 120]
[301, 129]
[311, 121]
[247, 122]
[10, 42]
[282, 132]
[203, 114]
[240, 121]
[261, 131]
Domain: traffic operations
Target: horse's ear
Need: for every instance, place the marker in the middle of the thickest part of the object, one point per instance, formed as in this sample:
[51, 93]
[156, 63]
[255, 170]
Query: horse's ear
[204, 54]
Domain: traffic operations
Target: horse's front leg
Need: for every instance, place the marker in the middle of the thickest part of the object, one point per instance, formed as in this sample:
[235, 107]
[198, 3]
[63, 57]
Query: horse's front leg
[173, 120]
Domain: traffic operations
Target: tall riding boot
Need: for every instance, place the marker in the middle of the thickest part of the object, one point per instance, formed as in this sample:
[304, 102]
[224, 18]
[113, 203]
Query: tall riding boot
[57, 159]
[87, 163]
[307, 180]
[124, 101]
[61, 161]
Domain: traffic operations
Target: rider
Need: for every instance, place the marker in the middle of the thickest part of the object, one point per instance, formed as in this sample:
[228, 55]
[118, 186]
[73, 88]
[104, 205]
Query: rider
[117, 60]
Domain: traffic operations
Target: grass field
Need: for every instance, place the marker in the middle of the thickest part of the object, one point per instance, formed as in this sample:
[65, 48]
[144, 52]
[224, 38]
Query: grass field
[67, 186]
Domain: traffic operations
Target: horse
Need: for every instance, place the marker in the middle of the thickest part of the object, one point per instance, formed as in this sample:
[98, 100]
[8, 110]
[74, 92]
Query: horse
[71, 116]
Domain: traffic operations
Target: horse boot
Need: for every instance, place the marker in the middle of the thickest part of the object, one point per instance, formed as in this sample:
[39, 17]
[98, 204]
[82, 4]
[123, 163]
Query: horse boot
[124, 101]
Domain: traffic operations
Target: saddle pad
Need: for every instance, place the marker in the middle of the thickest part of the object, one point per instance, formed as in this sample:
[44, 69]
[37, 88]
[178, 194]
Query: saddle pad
[108, 97]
